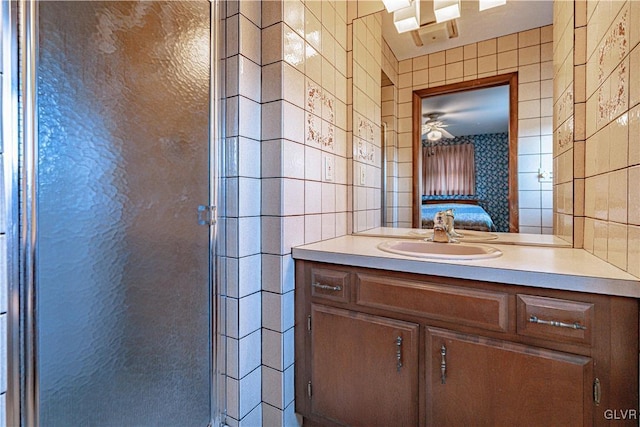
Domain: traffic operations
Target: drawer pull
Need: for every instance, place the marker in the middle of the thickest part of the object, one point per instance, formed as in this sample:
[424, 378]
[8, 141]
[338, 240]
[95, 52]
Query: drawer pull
[398, 353]
[326, 287]
[443, 364]
[575, 325]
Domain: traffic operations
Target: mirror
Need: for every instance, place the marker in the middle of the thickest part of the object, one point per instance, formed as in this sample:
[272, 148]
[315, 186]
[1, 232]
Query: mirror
[387, 119]
[474, 122]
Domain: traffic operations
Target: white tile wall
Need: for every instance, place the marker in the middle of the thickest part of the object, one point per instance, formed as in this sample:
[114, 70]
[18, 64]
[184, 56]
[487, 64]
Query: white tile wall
[302, 42]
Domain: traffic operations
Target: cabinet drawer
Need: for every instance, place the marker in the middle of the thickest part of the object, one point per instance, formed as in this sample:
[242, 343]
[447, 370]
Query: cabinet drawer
[473, 307]
[330, 284]
[555, 319]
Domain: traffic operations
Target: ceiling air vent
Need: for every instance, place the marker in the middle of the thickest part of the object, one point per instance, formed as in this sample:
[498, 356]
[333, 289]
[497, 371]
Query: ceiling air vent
[434, 32]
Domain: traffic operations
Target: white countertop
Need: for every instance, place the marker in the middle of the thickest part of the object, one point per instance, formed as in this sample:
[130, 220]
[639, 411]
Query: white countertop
[537, 266]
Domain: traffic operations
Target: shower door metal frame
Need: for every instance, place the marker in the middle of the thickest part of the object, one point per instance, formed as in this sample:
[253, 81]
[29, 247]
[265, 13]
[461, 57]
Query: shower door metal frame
[20, 138]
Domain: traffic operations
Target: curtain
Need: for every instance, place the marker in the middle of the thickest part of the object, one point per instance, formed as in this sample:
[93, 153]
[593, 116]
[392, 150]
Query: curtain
[448, 170]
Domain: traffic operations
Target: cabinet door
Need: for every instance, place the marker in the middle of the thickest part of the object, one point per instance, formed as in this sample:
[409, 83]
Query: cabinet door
[364, 369]
[478, 381]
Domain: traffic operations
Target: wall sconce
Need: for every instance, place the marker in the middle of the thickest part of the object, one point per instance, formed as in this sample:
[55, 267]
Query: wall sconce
[407, 19]
[488, 4]
[393, 5]
[446, 10]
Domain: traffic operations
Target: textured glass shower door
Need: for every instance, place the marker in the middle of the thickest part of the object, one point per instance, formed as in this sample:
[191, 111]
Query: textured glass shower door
[123, 274]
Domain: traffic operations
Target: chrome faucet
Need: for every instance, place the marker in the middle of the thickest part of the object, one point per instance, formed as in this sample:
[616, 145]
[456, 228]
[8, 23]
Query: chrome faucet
[442, 227]
[449, 220]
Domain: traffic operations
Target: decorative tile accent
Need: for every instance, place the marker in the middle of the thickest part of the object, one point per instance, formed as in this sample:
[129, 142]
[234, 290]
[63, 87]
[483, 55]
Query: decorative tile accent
[365, 129]
[314, 130]
[565, 105]
[565, 134]
[610, 106]
[319, 131]
[363, 151]
[616, 40]
[314, 99]
[320, 103]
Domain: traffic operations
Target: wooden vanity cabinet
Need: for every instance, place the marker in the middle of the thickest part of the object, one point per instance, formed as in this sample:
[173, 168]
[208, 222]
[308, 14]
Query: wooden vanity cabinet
[367, 372]
[485, 382]
[381, 348]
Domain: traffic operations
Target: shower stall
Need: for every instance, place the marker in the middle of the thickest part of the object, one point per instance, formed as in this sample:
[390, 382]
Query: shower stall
[110, 170]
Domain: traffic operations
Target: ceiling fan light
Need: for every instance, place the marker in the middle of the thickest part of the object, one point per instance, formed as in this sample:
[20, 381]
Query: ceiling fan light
[434, 135]
[408, 18]
[488, 4]
[446, 10]
[393, 5]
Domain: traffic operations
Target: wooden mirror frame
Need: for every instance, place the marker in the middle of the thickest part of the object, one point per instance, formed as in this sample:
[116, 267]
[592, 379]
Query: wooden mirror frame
[512, 80]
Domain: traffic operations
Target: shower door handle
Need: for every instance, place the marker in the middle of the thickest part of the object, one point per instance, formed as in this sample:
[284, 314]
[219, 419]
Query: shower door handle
[206, 215]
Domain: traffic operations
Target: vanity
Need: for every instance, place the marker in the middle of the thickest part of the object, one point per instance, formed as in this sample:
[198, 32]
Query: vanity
[539, 336]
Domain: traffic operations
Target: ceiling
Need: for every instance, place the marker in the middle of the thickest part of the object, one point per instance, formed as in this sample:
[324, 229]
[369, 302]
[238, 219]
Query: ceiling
[473, 25]
[484, 110]
[475, 112]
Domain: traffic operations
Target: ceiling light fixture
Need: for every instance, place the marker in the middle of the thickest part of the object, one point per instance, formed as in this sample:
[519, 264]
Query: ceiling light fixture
[408, 18]
[393, 5]
[488, 4]
[434, 135]
[446, 10]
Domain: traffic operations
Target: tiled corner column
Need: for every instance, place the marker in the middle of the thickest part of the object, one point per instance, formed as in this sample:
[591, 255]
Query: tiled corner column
[390, 145]
[304, 169]
[366, 125]
[566, 93]
[240, 225]
[579, 131]
[396, 199]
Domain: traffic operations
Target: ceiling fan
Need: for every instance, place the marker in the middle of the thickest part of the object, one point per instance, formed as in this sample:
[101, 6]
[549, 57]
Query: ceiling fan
[433, 128]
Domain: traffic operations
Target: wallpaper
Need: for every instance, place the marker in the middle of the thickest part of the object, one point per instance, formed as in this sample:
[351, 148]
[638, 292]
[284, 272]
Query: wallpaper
[492, 175]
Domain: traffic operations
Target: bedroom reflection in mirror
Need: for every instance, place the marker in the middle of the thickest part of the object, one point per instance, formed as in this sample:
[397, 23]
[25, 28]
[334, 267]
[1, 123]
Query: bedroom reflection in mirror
[465, 153]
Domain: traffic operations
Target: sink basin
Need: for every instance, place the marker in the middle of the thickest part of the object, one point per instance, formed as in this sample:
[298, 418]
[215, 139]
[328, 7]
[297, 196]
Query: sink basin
[467, 235]
[448, 251]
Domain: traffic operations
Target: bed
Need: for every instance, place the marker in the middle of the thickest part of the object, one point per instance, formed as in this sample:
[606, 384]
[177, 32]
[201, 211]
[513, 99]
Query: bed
[468, 214]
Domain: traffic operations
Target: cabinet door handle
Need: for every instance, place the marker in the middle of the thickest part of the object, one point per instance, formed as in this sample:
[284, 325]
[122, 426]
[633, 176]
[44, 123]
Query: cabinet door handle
[398, 353]
[443, 364]
[326, 287]
[575, 325]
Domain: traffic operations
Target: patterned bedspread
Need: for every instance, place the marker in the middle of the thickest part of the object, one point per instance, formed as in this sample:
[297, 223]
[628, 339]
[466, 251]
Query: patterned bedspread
[467, 217]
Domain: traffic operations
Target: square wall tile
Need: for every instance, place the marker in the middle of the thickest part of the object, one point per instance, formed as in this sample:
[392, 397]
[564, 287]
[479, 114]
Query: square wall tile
[280, 234]
[243, 355]
[600, 239]
[243, 315]
[278, 273]
[617, 200]
[509, 42]
[617, 245]
[633, 197]
[278, 312]
[250, 41]
[272, 416]
[249, 113]
[277, 387]
[243, 276]
[244, 395]
[312, 228]
[487, 47]
[278, 349]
